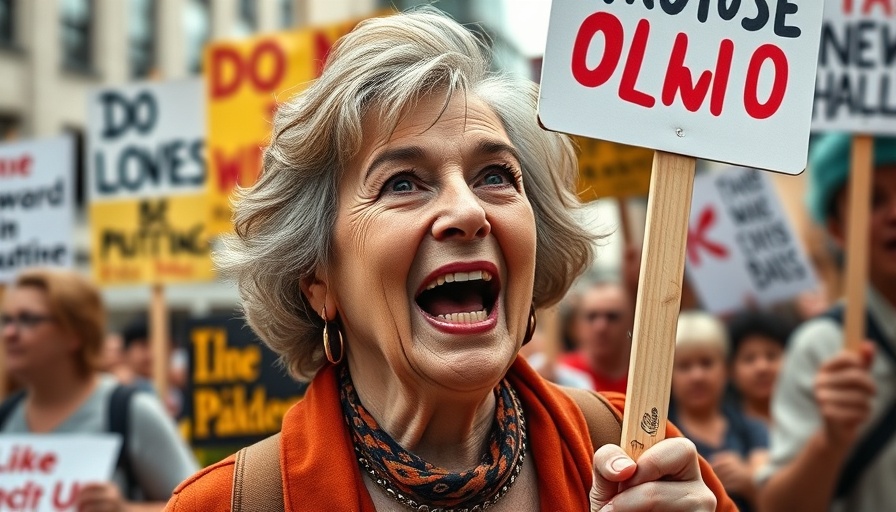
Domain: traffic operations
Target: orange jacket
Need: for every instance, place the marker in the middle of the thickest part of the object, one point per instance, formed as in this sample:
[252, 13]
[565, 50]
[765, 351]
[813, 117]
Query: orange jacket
[321, 473]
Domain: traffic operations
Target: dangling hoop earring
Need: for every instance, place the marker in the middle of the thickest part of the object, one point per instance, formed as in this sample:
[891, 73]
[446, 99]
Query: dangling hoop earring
[530, 328]
[328, 328]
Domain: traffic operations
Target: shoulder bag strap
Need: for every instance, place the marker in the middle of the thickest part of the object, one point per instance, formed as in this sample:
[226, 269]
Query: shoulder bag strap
[604, 422]
[9, 405]
[119, 423]
[262, 491]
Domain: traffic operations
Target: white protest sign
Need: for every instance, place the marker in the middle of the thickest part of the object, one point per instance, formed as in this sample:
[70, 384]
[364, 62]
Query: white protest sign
[43, 473]
[725, 81]
[741, 245]
[856, 86]
[146, 140]
[36, 205]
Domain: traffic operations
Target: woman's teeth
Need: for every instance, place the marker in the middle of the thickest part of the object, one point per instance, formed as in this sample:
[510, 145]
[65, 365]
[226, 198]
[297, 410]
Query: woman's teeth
[457, 277]
[465, 318]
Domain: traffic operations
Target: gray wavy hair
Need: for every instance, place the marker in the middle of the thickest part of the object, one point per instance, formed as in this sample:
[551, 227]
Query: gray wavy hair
[283, 223]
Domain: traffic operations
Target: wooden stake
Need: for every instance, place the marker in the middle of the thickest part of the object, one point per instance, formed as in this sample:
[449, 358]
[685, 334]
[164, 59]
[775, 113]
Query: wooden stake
[857, 240]
[658, 302]
[158, 340]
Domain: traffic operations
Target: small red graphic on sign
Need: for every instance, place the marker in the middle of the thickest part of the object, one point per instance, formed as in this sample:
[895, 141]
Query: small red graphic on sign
[697, 239]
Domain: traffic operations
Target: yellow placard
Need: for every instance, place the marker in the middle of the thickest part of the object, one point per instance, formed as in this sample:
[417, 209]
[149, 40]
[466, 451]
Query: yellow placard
[154, 240]
[607, 169]
[244, 82]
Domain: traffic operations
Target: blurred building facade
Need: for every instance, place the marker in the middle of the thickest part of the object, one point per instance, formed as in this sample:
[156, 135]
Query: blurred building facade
[52, 52]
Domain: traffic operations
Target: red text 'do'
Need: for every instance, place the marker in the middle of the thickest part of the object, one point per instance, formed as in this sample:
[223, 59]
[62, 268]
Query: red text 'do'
[262, 69]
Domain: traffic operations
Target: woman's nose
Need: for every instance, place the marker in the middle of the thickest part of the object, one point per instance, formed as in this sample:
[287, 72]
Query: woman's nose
[461, 214]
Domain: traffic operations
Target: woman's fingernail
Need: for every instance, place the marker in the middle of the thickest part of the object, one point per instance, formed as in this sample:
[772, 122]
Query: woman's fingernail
[620, 464]
[607, 508]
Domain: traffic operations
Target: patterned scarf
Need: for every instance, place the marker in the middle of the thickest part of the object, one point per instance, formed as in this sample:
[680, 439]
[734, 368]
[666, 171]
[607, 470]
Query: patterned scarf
[418, 482]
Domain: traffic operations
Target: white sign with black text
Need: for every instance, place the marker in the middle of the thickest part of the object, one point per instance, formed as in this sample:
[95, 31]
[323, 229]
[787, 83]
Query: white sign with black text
[856, 86]
[37, 210]
[741, 247]
[146, 140]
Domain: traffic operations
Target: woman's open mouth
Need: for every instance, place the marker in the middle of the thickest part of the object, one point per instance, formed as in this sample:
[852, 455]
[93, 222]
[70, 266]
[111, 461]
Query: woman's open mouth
[461, 297]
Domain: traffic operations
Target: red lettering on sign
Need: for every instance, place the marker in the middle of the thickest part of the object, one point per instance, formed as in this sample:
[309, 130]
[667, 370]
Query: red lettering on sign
[63, 500]
[239, 168]
[613, 39]
[886, 5]
[228, 69]
[322, 46]
[754, 107]
[20, 166]
[697, 238]
[680, 80]
[632, 69]
[271, 50]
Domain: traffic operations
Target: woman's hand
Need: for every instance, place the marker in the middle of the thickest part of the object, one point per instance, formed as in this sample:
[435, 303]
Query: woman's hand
[100, 497]
[666, 477]
[734, 472]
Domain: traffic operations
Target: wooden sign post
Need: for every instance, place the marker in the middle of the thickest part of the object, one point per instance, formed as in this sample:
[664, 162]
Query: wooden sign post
[861, 169]
[159, 339]
[853, 95]
[722, 84]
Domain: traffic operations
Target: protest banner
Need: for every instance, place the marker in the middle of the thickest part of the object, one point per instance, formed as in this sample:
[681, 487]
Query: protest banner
[146, 162]
[238, 392]
[246, 79]
[740, 235]
[721, 81]
[148, 213]
[612, 170]
[856, 92]
[37, 207]
[42, 473]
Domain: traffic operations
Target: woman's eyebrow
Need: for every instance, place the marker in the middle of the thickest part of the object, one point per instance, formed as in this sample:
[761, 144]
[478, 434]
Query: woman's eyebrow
[400, 154]
[495, 147]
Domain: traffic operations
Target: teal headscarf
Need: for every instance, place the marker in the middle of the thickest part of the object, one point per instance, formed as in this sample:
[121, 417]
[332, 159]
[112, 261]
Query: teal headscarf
[829, 160]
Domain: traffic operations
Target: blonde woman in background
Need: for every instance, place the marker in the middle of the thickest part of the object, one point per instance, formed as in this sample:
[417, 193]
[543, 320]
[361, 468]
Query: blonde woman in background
[734, 444]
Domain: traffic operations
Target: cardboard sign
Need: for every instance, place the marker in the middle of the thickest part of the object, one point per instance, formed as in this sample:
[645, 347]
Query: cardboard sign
[856, 87]
[43, 473]
[37, 209]
[237, 391]
[612, 170]
[725, 81]
[245, 81]
[741, 245]
[146, 161]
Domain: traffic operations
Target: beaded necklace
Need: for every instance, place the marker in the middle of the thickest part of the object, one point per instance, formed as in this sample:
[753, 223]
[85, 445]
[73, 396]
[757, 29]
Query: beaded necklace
[423, 487]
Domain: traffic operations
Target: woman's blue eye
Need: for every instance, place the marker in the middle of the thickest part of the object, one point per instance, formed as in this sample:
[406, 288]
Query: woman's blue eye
[494, 179]
[402, 186]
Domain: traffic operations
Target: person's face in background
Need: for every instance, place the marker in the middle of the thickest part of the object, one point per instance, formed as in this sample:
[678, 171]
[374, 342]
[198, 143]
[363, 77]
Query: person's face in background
[138, 357]
[754, 369]
[33, 341]
[113, 352]
[698, 376]
[604, 320]
[882, 225]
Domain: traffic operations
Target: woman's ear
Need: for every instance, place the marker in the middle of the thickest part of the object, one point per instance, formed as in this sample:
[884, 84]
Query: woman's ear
[317, 291]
